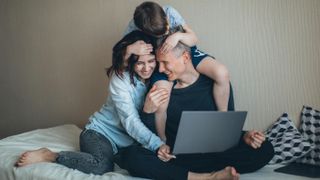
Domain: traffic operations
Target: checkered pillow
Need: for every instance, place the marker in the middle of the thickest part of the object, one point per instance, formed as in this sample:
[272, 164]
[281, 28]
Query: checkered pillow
[310, 128]
[287, 141]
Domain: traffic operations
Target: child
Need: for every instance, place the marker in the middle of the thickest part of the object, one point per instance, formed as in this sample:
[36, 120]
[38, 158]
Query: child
[155, 20]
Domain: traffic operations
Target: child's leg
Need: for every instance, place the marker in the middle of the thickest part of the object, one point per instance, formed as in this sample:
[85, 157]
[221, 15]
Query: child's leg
[160, 122]
[219, 73]
[161, 113]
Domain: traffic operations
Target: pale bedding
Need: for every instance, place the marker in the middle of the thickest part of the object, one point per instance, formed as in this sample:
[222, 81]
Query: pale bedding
[66, 137]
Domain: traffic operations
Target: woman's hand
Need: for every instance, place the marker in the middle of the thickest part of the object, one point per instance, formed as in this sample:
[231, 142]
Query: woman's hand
[254, 138]
[164, 153]
[139, 48]
[154, 99]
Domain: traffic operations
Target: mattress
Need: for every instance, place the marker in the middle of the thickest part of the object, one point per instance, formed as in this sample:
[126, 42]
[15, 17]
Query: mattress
[66, 138]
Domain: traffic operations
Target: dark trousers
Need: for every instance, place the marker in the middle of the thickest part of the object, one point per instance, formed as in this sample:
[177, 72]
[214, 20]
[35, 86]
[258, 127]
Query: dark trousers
[141, 162]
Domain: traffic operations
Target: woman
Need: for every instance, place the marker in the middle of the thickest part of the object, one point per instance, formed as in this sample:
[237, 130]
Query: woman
[117, 124]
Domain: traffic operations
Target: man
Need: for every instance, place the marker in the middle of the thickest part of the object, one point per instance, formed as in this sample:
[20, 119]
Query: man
[192, 91]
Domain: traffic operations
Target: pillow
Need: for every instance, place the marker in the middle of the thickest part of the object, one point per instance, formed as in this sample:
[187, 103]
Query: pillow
[310, 128]
[287, 141]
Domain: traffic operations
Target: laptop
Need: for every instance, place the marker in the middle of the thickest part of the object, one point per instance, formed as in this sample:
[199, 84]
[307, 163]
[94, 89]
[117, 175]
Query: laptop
[208, 131]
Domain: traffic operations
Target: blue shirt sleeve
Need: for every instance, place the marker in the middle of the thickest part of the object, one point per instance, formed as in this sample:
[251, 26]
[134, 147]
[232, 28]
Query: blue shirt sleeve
[175, 19]
[128, 113]
[131, 27]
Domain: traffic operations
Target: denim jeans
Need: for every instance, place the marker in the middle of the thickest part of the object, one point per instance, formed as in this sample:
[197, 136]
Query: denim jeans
[95, 156]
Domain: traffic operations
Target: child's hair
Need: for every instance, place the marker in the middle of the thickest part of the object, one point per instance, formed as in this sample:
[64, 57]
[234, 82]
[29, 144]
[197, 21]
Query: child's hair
[119, 51]
[151, 18]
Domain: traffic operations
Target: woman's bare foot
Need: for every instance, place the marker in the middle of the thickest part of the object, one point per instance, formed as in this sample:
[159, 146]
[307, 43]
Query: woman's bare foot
[228, 173]
[36, 156]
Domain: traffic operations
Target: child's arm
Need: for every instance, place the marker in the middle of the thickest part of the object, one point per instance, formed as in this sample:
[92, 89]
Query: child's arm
[188, 37]
[219, 73]
[161, 113]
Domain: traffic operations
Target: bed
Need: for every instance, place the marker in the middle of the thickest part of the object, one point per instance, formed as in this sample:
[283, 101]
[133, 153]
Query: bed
[65, 137]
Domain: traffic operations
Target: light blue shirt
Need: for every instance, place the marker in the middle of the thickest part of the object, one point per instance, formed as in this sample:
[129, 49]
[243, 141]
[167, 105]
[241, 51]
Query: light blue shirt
[119, 120]
[175, 19]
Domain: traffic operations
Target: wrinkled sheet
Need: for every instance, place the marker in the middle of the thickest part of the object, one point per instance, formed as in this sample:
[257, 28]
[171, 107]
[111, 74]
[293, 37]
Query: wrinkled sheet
[66, 138]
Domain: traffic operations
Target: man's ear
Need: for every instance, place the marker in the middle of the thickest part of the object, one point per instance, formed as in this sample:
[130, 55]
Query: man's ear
[186, 56]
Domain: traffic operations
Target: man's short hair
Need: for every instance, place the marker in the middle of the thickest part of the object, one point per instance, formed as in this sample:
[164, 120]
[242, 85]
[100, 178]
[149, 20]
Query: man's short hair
[180, 49]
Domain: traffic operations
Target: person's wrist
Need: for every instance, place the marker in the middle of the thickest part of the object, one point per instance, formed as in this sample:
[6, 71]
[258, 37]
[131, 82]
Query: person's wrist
[146, 110]
[178, 35]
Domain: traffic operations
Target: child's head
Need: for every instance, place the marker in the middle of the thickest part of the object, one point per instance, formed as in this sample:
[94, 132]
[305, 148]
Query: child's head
[119, 50]
[151, 19]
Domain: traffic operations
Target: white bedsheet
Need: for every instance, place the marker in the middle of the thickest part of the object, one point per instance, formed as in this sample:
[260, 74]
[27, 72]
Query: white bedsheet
[66, 137]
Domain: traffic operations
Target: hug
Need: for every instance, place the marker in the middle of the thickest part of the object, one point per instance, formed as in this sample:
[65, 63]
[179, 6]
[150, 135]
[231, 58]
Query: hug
[157, 72]
[117, 132]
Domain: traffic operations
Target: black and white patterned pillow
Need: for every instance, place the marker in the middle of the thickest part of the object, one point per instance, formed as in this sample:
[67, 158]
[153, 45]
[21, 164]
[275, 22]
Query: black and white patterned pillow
[310, 128]
[287, 141]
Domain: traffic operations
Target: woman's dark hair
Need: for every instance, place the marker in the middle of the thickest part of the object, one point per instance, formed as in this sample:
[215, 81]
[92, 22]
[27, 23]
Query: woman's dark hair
[151, 18]
[119, 50]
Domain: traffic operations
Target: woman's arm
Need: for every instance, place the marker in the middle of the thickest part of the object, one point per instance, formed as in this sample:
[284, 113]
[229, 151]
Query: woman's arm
[128, 113]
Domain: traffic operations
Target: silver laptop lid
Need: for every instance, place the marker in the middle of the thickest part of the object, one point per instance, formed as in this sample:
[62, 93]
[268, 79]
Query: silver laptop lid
[208, 131]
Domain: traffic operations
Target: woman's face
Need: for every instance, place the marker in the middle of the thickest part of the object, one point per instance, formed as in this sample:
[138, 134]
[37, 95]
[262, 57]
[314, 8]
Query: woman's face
[145, 65]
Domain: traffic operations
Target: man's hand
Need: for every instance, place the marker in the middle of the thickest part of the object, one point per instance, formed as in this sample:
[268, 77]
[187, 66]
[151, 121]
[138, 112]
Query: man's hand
[139, 48]
[154, 99]
[170, 43]
[164, 153]
[254, 138]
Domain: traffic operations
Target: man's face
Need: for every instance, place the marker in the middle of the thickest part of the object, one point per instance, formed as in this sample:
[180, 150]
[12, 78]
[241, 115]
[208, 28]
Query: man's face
[171, 65]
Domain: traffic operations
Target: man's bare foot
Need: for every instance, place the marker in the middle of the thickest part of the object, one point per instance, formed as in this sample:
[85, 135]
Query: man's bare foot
[36, 156]
[228, 173]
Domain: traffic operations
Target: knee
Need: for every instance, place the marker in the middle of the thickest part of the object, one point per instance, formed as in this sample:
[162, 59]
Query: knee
[103, 167]
[221, 75]
[260, 157]
[267, 151]
[264, 154]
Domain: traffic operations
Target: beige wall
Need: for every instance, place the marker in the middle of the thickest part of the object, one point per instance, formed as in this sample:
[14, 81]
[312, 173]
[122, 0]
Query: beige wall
[53, 54]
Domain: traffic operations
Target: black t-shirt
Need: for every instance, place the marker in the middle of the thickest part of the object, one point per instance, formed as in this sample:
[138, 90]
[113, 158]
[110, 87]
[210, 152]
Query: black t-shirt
[196, 97]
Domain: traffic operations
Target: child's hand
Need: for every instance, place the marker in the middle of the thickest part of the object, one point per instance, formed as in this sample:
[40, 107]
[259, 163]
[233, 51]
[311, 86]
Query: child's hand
[154, 99]
[139, 48]
[170, 43]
